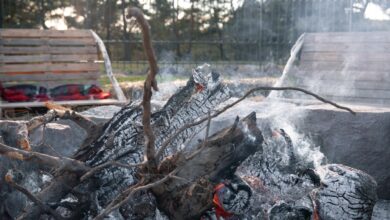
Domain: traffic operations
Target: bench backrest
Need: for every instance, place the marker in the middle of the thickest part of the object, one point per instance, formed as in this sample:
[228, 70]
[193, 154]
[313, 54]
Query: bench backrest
[348, 67]
[48, 57]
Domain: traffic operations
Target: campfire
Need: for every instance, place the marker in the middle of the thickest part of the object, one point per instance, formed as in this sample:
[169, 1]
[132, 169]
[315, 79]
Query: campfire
[138, 164]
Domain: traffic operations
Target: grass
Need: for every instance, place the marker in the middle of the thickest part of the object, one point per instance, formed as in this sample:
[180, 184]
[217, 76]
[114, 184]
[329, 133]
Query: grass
[106, 84]
[128, 72]
[104, 80]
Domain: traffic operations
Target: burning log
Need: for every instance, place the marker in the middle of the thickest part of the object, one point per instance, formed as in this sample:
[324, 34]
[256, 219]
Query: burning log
[210, 164]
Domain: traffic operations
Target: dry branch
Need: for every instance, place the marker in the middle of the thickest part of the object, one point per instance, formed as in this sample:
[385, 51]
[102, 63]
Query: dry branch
[65, 113]
[108, 164]
[147, 43]
[207, 129]
[41, 120]
[165, 144]
[205, 138]
[26, 192]
[58, 111]
[62, 163]
[150, 83]
[125, 196]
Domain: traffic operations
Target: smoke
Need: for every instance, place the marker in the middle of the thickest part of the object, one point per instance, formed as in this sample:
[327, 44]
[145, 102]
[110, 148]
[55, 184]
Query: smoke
[277, 115]
[271, 117]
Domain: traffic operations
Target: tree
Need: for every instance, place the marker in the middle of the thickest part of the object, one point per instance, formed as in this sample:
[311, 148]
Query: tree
[125, 31]
[1, 13]
[219, 15]
[29, 14]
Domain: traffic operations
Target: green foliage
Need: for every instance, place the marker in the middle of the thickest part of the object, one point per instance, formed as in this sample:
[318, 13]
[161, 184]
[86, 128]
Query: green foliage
[252, 30]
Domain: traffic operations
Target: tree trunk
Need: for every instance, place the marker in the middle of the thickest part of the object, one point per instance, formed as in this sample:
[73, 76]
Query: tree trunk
[176, 30]
[107, 18]
[220, 46]
[42, 17]
[126, 34]
[2, 16]
[192, 27]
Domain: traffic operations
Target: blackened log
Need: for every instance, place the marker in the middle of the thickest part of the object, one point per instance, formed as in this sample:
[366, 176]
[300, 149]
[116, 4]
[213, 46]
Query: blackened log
[287, 186]
[122, 140]
[347, 193]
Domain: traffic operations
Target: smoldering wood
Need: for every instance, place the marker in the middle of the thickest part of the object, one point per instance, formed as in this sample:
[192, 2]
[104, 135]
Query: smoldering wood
[304, 191]
[182, 184]
[122, 138]
[201, 184]
[190, 195]
[200, 187]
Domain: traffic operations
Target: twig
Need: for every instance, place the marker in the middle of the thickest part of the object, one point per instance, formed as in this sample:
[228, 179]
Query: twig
[204, 141]
[55, 162]
[215, 114]
[46, 208]
[188, 140]
[146, 38]
[108, 164]
[43, 142]
[207, 130]
[41, 120]
[64, 113]
[125, 196]
[84, 122]
[58, 111]
[150, 83]
[181, 179]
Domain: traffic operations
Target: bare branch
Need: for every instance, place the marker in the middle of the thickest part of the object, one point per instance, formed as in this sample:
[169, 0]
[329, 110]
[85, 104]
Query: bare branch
[146, 37]
[43, 206]
[65, 113]
[108, 164]
[207, 130]
[18, 132]
[41, 120]
[150, 83]
[204, 144]
[56, 162]
[181, 179]
[58, 111]
[43, 143]
[125, 196]
[165, 144]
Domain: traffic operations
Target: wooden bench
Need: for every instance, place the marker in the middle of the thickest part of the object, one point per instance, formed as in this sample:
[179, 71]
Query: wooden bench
[345, 67]
[53, 57]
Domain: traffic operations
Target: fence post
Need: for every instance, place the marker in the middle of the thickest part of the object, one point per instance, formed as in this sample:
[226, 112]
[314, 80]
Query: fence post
[350, 11]
[260, 35]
